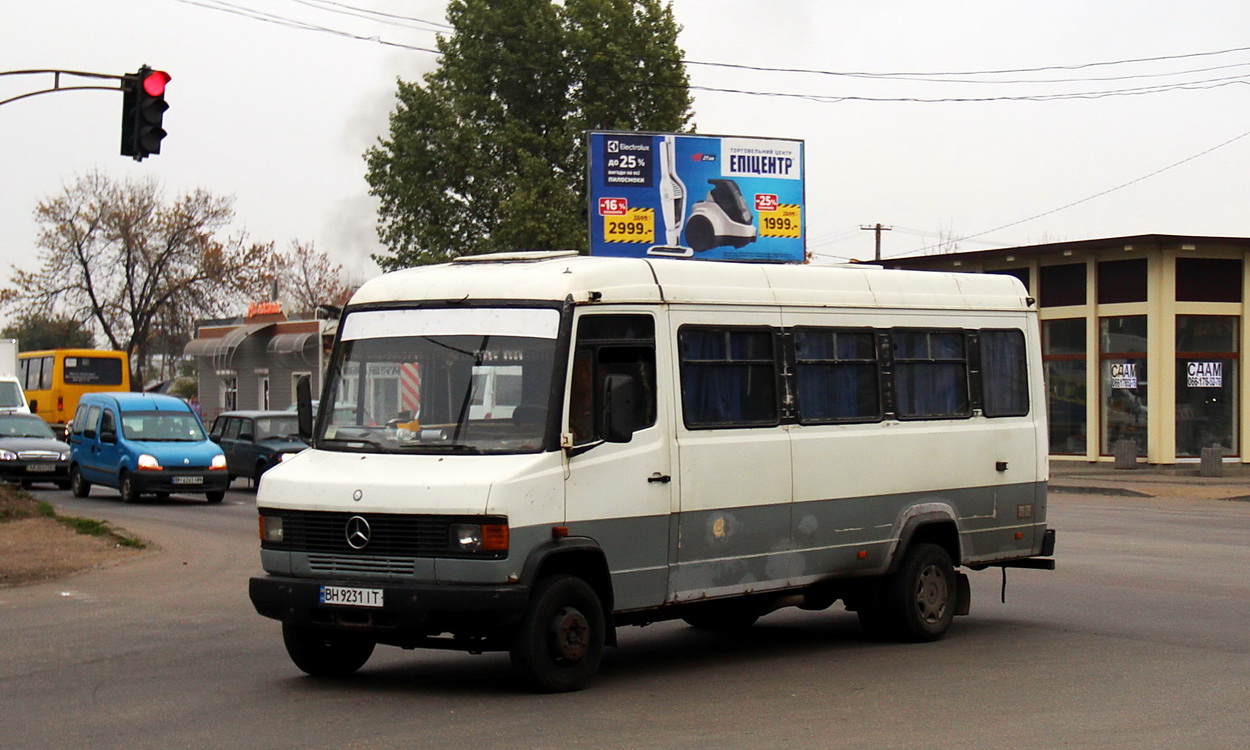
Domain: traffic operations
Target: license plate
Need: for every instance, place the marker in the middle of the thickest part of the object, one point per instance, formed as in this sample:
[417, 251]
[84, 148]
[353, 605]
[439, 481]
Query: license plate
[41, 468]
[188, 480]
[349, 597]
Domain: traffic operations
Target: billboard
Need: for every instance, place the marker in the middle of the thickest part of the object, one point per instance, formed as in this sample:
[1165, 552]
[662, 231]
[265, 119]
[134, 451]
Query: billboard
[693, 196]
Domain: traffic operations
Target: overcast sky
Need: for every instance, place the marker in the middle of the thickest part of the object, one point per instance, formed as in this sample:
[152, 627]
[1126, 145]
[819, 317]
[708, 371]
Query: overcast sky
[277, 114]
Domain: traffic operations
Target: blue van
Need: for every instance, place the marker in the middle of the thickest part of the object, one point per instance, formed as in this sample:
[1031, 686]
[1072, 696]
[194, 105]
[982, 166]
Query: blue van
[143, 443]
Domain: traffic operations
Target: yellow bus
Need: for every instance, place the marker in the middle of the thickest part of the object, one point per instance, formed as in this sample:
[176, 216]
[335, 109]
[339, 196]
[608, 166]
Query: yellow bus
[55, 379]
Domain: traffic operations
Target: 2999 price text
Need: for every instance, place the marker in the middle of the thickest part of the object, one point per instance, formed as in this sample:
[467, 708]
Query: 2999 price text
[638, 225]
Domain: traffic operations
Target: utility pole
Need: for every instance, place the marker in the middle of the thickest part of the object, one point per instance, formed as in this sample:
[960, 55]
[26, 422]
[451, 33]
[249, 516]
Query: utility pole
[878, 229]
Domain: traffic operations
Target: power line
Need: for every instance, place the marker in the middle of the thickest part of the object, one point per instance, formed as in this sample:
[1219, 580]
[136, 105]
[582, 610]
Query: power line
[1108, 191]
[1209, 83]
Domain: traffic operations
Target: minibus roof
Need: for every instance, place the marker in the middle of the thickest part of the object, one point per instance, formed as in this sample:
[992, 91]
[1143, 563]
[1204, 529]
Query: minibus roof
[556, 276]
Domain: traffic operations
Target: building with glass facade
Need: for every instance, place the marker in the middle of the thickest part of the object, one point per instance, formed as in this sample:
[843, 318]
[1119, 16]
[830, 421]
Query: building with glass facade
[1141, 339]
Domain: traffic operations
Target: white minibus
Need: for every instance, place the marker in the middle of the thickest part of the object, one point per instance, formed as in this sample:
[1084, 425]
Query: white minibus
[684, 440]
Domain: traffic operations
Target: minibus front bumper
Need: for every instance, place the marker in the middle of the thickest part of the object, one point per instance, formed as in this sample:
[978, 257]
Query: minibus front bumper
[396, 612]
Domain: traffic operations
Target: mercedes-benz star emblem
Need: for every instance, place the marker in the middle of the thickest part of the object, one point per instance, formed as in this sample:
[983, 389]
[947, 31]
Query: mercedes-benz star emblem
[357, 532]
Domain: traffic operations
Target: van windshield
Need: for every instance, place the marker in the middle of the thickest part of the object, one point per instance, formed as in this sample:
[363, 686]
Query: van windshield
[442, 381]
[162, 426]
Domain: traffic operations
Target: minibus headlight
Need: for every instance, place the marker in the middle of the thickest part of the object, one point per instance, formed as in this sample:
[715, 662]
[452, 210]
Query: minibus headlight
[285, 456]
[148, 462]
[271, 528]
[474, 537]
[8, 456]
[219, 462]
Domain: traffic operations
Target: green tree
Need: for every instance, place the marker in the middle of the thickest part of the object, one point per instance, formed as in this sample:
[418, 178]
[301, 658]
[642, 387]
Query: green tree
[40, 331]
[488, 153]
[120, 256]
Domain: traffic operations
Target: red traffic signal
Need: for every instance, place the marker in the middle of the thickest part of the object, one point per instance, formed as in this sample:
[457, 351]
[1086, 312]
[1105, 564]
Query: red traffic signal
[143, 109]
[154, 83]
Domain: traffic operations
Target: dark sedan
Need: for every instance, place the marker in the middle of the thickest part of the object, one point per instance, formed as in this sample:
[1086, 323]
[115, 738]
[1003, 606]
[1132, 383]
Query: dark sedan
[30, 452]
[256, 441]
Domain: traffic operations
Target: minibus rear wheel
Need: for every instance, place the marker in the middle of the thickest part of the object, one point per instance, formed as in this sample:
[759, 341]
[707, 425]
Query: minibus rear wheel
[917, 602]
[559, 643]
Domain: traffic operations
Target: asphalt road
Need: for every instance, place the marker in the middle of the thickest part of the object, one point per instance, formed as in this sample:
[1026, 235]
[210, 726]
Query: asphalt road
[1138, 640]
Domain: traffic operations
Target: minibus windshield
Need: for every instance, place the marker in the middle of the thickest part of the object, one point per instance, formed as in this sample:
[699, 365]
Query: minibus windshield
[459, 381]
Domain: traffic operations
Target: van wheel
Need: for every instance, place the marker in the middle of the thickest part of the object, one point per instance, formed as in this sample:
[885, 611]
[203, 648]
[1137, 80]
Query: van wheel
[325, 653]
[215, 496]
[559, 642]
[916, 603]
[722, 617]
[126, 486]
[77, 485]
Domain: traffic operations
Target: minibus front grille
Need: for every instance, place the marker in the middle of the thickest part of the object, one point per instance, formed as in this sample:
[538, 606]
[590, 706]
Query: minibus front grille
[387, 534]
[391, 566]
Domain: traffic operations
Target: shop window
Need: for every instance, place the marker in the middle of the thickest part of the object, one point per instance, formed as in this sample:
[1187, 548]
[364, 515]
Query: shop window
[1064, 362]
[1122, 281]
[1206, 384]
[1208, 280]
[1062, 286]
[1020, 273]
[1122, 363]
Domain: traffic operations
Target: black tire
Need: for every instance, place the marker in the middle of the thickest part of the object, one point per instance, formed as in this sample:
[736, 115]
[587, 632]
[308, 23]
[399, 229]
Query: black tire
[27, 484]
[126, 486]
[215, 496]
[699, 234]
[917, 602]
[326, 653]
[559, 643]
[723, 617]
[77, 485]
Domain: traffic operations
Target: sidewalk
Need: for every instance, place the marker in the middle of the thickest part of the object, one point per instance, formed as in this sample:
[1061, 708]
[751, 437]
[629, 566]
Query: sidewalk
[1181, 480]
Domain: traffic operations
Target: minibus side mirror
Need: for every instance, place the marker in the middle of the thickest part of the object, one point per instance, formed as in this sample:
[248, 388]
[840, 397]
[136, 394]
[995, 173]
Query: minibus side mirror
[618, 409]
[108, 436]
[303, 407]
[34, 405]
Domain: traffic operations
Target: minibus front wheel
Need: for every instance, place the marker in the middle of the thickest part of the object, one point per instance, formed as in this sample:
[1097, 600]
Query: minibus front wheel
[325, 653]
[559, 642]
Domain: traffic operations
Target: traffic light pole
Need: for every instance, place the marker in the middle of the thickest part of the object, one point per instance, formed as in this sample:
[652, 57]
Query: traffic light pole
[56, 82]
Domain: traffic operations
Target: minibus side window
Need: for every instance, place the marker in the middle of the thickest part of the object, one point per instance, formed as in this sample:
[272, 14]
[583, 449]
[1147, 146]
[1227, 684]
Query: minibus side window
[1004, 374]
[837, 375]
[611, 345]
[728, 377]
[930, 374]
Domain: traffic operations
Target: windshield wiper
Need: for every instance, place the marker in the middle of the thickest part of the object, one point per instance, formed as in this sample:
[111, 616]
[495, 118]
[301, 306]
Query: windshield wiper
[443, 448]
[353, 443]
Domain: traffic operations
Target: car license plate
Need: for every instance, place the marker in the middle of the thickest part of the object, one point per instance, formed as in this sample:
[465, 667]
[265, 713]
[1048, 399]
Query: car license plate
[188, 480]
[41, 468]
[349, 597]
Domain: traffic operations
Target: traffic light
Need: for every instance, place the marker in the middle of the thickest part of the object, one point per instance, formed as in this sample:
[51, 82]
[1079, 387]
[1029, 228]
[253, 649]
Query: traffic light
[143, 108]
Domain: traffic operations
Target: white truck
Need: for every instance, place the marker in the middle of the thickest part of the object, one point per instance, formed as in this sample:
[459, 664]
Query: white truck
[695, 440]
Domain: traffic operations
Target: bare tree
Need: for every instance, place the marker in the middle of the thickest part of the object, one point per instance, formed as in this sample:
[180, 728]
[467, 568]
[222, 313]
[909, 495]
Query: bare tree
[119, 256]
[308, 278]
